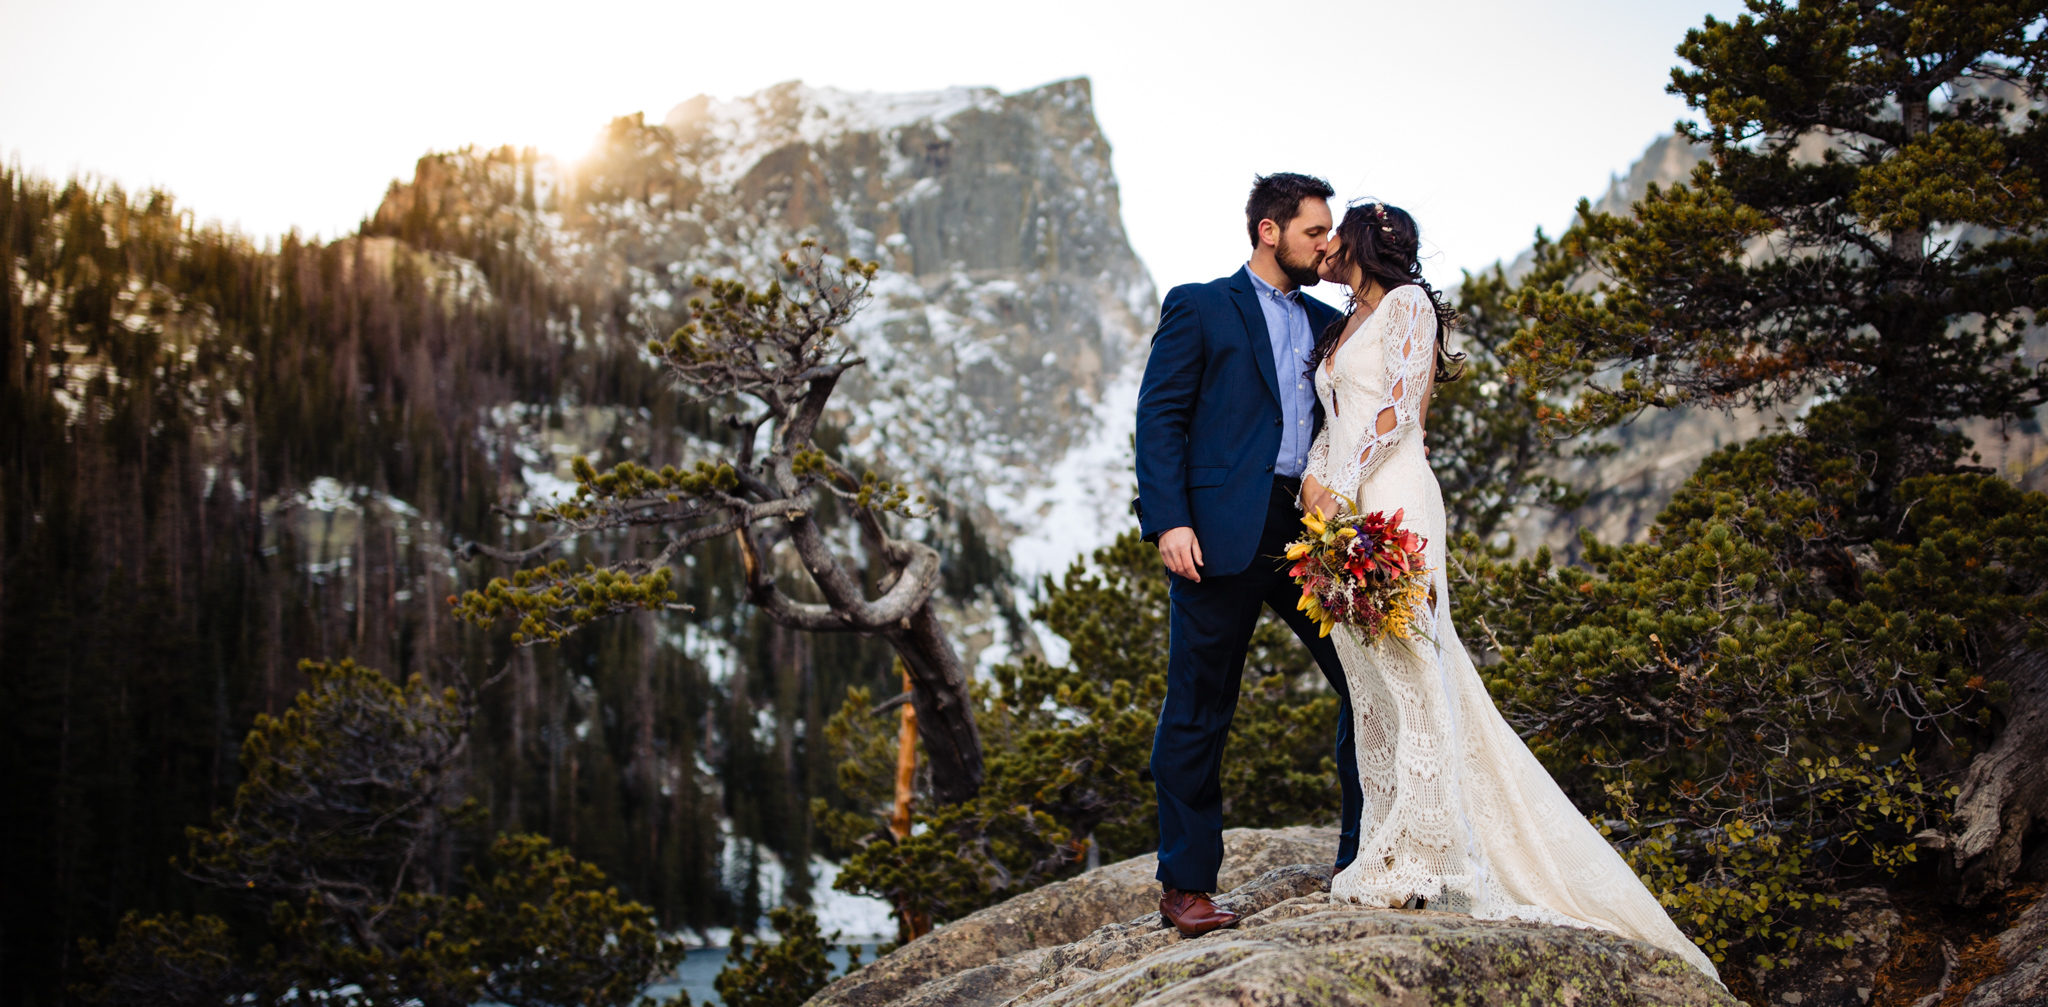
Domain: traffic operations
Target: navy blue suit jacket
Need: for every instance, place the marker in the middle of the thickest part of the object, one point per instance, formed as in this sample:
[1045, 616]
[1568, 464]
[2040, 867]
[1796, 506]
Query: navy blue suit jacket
[1209, 419]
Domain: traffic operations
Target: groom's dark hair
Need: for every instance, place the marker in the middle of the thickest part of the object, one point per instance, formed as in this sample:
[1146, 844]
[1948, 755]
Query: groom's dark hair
[1277, 197]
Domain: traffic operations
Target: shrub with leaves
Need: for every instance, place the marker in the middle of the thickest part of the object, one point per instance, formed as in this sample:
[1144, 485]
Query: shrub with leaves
[346, 797]
[172, 961]
[549, 930]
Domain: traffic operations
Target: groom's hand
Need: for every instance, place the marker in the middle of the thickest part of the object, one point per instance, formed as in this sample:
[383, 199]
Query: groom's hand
[1181, 552]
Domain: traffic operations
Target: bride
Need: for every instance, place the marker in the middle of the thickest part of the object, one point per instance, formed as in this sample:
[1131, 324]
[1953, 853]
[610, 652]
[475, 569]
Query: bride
[1458, 813]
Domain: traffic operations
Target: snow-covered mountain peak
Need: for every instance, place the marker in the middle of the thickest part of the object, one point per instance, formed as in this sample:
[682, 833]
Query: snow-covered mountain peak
[794, 112]
[1007, 332]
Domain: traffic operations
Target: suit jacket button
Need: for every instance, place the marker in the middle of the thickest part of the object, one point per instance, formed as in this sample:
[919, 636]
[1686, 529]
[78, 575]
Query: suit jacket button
[1276, 423]
[1269, 468]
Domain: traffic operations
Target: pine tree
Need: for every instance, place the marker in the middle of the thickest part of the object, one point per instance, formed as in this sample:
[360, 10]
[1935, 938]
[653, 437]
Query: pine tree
[1835, 629]
[781, 350]
[1487, 443]
[784, 973]
[1867, 225]
[338, 829]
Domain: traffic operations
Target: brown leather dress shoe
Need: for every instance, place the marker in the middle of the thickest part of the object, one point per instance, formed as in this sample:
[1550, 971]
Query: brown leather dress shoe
[1192, 913]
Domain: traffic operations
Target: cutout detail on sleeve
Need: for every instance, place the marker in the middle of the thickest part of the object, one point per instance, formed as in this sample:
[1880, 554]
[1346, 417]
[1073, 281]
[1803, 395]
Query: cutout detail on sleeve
[1407, 327]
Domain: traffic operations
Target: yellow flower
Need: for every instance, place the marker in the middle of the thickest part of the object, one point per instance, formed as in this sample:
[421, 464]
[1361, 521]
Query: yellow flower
[1314, 522]
[1314, 609]
[1347, 532]
[1298, 550]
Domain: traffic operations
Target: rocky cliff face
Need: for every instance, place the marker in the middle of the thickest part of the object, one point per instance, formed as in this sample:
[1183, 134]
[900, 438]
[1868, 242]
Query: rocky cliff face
[1005, 338]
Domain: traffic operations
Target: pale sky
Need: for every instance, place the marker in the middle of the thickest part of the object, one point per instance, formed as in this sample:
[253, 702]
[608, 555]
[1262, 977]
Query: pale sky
[1485, 118]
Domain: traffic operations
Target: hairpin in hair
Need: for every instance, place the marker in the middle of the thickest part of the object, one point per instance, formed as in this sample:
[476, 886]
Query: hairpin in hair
[1379, 211]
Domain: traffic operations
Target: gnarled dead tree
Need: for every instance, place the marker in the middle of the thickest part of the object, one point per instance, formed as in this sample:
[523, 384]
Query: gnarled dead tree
[780, 347]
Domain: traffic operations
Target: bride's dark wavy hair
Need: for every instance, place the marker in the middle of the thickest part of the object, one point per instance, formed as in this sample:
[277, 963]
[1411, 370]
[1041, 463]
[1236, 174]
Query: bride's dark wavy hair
[1385, 244]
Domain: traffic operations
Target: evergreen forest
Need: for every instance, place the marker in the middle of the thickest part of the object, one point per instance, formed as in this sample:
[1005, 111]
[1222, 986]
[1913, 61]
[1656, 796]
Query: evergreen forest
[222, 459]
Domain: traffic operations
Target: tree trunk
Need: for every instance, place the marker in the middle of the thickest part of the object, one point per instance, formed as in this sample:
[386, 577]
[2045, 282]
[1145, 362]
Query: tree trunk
[2004, 796]
[945, 713]
[910, 924]
[1910, 244]
[906, 765]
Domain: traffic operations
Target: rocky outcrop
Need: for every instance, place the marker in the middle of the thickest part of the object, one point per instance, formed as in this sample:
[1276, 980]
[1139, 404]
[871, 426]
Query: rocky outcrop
[2024, 949]
[1295, 946]
[1312, 952]
[972, 959]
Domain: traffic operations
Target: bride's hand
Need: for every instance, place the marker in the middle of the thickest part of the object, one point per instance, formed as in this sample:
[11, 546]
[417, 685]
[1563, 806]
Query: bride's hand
[1317, 500]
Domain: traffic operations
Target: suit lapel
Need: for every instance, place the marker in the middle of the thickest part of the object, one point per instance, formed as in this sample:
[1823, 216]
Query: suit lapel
[1255, 328]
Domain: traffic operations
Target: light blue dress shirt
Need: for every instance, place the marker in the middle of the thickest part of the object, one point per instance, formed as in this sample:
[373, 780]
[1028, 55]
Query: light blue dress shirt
[1287, 326]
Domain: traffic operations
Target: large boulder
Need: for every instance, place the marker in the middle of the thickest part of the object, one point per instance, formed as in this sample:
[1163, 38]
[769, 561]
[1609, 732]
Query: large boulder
[1054, 915]
[1295, 947]
[1308, 951]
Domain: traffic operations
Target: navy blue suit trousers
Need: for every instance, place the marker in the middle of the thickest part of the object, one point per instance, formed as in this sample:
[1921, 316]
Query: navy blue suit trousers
[1211, 626]
[1209, 424]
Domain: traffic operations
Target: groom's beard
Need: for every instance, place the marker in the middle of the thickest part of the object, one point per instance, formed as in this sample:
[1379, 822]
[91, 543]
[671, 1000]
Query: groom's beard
[1301, 271]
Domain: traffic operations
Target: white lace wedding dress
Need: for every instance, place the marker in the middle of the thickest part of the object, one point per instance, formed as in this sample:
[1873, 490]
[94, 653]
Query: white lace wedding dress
[1457, 809]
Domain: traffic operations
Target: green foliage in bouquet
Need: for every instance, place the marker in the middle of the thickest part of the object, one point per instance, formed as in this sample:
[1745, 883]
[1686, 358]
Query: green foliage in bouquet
[1067, 745]
[337, 829]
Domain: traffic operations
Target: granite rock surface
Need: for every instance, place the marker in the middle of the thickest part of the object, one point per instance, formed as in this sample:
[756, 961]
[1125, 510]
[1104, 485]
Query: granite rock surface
[1295, 946]
[986, 957]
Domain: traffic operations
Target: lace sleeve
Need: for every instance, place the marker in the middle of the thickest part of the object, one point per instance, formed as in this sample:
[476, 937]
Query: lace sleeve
[1409, 332]
[1318, 467]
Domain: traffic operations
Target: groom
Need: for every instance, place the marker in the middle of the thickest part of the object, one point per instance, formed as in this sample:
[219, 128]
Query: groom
[1225, 421]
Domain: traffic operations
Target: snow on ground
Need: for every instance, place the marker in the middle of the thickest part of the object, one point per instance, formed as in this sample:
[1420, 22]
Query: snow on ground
[1084, 501]
[855, 917]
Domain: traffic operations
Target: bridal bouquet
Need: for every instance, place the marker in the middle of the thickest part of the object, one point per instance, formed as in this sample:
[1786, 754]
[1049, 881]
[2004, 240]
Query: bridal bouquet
[1362, 570]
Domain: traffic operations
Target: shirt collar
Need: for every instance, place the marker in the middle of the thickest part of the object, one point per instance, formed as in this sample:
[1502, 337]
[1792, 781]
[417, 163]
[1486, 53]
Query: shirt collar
[1260, 285]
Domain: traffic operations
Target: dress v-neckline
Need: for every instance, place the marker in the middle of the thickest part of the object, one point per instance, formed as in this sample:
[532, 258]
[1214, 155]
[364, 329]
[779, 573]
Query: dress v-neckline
[1330, 362]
